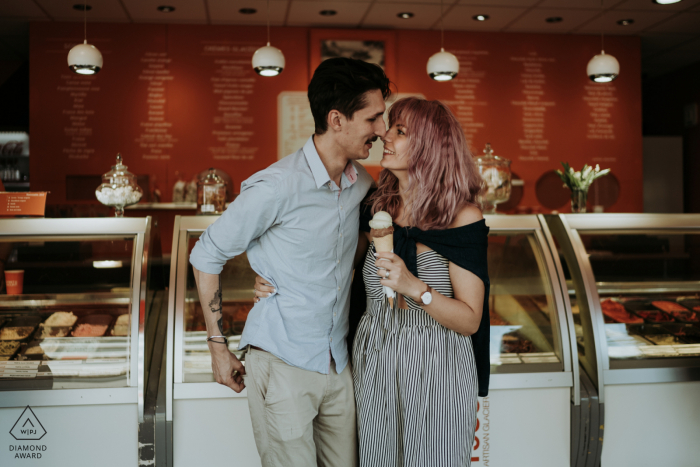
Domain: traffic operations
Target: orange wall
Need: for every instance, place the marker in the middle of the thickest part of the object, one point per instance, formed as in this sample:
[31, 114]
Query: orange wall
[184, 98]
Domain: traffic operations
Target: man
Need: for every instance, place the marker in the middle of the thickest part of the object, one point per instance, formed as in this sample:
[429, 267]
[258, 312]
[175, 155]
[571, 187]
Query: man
[298, 221]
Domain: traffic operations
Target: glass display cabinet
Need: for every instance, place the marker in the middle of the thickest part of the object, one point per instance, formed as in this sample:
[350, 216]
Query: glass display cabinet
[76, 333]
[193, 398]
[634, 283]
[531, 353]
[532, 371]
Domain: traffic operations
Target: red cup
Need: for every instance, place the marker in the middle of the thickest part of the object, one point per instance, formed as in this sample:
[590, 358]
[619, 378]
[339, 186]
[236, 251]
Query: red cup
[14, 281]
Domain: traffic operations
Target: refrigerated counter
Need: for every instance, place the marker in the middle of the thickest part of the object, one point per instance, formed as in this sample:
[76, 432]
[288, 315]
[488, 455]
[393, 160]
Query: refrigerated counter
[634, 283]
[76, 343]
[529, 418]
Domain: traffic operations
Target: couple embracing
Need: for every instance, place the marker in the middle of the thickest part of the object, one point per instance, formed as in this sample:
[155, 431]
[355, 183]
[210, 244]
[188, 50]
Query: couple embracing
[409, 395]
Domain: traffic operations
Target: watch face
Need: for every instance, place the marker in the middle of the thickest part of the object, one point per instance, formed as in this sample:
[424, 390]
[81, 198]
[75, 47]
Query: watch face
[427, 297]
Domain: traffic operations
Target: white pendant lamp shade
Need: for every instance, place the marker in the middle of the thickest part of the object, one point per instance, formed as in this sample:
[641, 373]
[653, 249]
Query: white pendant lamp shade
[443, 66]
[268, 61]
[603, 68]
[85, 59]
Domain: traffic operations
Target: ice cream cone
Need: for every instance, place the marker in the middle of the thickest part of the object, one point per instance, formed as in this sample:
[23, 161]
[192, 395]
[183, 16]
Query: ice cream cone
[385, 243]
[383, 237]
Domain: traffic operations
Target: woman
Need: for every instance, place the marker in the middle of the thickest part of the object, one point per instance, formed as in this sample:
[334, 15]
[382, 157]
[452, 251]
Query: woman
[414, 364]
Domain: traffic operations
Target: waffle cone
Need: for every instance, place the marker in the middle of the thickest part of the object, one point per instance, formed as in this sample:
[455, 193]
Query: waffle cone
[384, 244]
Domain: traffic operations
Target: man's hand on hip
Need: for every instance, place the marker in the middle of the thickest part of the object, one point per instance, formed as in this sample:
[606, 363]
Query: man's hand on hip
[228, 370]
[262, 289]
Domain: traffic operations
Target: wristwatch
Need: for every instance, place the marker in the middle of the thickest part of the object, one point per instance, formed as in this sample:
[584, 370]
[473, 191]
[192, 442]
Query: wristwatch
[426, 297]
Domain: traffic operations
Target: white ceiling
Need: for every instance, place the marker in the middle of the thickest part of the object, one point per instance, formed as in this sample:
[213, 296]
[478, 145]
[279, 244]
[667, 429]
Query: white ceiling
[670, 33]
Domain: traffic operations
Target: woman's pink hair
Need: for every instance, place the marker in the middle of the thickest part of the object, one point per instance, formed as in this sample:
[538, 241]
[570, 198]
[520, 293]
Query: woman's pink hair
[442, 174]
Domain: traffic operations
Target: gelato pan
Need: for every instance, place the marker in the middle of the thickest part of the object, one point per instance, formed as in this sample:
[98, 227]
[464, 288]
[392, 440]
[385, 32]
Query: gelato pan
[511, 343]
[58, 324]
[121, 326]
[34, 350]
[687, 316]
[92, 326]
[654, 316]
[664, 339]
[668, 306]
[8, 347]
[616, 312]
[61, 318]
[16, 332]
[19, 328]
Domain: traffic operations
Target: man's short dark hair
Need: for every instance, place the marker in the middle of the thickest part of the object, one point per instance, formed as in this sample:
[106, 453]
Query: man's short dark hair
[340, 84]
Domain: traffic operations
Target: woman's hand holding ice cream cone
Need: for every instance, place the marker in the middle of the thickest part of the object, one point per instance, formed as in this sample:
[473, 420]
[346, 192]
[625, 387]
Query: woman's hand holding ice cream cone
[393, 273]
[382, 234]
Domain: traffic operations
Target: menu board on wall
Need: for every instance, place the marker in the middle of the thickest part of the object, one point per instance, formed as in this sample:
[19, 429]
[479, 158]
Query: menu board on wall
[529, 97]
[185, 98]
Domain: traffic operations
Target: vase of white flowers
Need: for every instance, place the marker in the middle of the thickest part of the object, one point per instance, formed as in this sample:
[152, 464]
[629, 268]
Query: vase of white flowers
[579, 182]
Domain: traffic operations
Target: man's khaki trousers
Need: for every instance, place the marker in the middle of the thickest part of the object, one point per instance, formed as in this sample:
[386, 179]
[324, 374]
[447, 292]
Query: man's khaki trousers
[300, 417]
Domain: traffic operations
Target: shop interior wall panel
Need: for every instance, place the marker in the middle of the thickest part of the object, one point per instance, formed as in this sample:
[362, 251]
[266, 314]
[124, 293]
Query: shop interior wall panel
[652, 424]
[228, 437]
[183, 98]
[79, 436]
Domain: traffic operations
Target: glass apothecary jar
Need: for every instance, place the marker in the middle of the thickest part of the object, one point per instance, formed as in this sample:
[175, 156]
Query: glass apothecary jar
[119, 188]
[211, 194]
[495, 171]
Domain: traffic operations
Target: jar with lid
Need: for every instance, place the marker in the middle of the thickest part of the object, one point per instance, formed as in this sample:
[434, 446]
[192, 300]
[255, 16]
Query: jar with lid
[119, 188]
[211, 194]
[495, 171]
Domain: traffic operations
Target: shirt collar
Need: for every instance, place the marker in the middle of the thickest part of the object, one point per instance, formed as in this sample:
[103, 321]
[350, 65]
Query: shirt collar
[321, 177]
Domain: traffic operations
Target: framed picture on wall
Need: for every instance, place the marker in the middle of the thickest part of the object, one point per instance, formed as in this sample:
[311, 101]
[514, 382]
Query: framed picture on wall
[369, 51]
[371, 46]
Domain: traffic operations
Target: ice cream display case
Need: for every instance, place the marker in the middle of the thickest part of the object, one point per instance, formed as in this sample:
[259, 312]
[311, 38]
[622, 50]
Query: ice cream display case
[76, 336]
[533, 404]
[193, 399]
[533, 401]
[634, 283]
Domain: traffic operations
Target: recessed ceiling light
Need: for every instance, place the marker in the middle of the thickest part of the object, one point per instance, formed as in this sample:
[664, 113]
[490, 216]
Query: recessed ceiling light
[82, 7]
[247, 11]
[327, 12]
[405, 15]
[554, 19]
[625, 22]
[665, 2]
[166, 8]
[480, 17]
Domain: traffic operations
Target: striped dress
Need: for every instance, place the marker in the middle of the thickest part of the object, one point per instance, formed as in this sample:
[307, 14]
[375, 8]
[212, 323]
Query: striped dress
[415, 380]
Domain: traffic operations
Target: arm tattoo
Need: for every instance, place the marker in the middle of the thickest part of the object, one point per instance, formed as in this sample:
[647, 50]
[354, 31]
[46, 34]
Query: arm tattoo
[216, 306]
[216, 303]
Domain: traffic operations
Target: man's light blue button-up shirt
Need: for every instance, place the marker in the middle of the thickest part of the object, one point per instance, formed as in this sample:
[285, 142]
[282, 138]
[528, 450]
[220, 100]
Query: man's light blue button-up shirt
[300, 232]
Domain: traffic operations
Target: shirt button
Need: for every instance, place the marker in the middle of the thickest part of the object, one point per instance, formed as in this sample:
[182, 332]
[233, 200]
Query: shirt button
[338, 261]
[338, 288]
[333, 314]
[341, 207]
[331, 339]
[341, 235]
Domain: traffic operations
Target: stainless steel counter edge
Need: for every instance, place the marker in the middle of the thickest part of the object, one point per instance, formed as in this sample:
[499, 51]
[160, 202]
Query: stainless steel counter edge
[89, 396]
[73, 226]
[651, 375]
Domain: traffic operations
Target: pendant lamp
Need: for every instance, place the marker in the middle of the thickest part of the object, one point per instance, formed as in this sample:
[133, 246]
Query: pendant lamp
[268, 60]
[84, 58]
[603, 68]
[443, 66]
